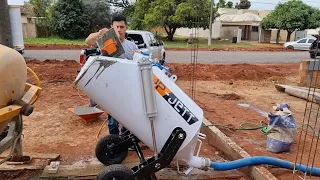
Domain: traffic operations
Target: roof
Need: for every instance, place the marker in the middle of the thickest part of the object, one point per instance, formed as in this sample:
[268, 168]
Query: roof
[246, 17]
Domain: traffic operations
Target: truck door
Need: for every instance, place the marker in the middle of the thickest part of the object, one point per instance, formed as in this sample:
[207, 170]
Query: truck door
[153, 46]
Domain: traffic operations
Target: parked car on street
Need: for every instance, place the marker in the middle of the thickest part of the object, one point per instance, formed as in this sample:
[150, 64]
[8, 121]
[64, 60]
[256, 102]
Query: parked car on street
[147, 43]
[301, 44]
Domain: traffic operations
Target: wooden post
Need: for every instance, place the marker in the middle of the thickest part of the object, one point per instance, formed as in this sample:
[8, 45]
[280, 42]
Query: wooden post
[5, 27]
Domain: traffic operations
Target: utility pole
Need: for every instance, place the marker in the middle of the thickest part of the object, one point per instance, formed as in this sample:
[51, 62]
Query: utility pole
[210, 23]
[5, 27]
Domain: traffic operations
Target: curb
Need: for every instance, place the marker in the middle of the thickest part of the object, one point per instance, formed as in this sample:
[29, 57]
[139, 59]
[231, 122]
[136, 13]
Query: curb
[224, 144]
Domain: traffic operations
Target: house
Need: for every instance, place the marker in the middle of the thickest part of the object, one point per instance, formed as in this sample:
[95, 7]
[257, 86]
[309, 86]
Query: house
[243, 24]
[29, 27]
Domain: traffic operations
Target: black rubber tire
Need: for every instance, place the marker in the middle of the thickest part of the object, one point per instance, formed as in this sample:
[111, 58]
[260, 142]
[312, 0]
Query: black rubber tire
[102, 148]
[115, 171]
[312, 56]
[290, 47]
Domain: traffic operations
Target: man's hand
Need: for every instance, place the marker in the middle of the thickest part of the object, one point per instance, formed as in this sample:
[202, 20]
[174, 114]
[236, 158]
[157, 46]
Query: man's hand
[101, 32]
[93, 37]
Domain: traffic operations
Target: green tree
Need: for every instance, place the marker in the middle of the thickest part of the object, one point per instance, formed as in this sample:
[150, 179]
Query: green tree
[244, 4]
[40, 7]
[43, 10]
[224, 4]
[99, 14]
[173, 14]
[290, 16]
[141, 8]
[126, 7]
[70, 19]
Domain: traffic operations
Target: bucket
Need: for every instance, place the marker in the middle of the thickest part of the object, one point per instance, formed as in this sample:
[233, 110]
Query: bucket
[87, 114]
[115, 85]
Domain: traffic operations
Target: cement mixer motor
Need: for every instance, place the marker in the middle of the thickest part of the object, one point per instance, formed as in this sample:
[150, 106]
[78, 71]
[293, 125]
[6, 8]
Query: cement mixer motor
[151, 106]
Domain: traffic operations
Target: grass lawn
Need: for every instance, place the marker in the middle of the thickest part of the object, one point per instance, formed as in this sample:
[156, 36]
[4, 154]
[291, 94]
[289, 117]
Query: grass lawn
[53, 40]
[178, 42]
[181, 42]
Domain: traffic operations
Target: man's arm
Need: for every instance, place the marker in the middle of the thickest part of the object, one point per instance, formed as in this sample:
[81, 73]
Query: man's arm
[92, 38]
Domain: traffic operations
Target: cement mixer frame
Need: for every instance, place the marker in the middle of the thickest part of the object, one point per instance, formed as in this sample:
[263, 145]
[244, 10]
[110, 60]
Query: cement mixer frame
[146, 168]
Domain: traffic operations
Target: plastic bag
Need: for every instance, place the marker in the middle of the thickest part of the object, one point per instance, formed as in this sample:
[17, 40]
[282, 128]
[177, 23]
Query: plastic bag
[281, 129]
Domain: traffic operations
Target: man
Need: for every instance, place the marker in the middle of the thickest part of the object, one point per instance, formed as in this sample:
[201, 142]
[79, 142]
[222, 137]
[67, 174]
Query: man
[119, 23]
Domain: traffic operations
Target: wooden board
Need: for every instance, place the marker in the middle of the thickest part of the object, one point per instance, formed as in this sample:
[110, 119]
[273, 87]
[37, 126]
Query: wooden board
[300, 92]
[90, 172]
[35, 155]
[5, 167]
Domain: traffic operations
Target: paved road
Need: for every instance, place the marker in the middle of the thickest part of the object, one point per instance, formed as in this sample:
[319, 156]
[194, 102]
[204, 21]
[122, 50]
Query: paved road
[185, 56]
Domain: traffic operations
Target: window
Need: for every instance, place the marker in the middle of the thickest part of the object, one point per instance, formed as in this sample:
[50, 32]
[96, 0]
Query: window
[152, 39]
[310, 40]
[255, 29]
[137, 38]
[302, 41]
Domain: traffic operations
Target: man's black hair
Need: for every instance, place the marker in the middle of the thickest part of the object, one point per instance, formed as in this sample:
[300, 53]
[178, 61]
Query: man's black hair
[119, 17]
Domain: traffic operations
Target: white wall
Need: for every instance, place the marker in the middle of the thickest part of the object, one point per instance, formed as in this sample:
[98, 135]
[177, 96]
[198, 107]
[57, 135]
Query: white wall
[187, 32]
[216, 28]
[15, 2]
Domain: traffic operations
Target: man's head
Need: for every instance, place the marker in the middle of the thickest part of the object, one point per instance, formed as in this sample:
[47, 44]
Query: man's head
[119, 23]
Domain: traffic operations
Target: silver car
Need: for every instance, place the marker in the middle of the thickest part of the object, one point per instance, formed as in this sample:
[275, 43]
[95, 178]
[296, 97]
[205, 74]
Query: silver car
[301, 44]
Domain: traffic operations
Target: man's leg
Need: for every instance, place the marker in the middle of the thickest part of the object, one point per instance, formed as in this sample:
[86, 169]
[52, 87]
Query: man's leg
[113, 125]
[92, 103]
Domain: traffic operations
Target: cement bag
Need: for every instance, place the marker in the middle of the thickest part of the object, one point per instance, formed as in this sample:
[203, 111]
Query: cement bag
[281, 129]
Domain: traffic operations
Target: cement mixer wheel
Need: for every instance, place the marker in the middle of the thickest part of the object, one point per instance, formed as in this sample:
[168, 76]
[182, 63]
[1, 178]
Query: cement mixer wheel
[115, 171]
[108, 156]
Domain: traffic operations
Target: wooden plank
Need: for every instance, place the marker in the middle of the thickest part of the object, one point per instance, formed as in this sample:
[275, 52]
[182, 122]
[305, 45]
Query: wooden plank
[5, 167]
[168, 174]
[90, 172]
[299, 93]
[233, 152]
[35, 155]
[71, 171]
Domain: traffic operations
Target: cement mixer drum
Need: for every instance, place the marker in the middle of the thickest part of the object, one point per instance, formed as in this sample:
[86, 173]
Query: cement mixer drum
[13, 75]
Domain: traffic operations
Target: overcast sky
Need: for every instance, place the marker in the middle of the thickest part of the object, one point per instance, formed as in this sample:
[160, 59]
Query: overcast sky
[270, 4]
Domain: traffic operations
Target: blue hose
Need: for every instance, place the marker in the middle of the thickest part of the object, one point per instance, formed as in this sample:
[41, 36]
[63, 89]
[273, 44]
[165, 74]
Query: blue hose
[258, 160]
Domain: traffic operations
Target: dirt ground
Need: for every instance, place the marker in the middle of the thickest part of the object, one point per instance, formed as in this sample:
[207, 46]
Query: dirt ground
[54, 129]
[257, 47]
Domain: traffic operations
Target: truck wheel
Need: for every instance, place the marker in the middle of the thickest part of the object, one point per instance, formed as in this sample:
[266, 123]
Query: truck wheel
[108, 156]
[115, 171]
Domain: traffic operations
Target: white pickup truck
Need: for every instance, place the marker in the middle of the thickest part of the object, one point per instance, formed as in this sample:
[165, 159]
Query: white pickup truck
[146, 42]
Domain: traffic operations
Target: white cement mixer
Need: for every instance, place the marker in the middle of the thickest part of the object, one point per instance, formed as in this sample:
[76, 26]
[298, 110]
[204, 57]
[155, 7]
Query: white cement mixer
[151, 106]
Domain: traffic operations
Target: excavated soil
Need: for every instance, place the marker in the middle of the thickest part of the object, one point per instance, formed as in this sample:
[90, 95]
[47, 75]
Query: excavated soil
[219, 89]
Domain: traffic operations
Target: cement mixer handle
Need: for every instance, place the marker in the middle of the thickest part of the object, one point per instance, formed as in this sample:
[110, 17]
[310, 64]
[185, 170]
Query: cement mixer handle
[26, 110]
